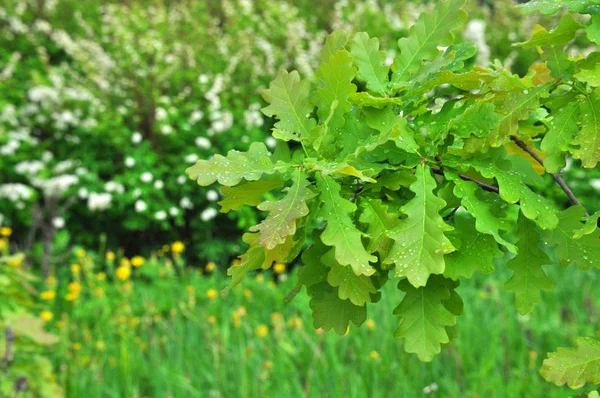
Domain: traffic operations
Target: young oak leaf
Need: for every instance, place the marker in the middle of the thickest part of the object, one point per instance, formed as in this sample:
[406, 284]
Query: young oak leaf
[289, 101]
[230, 170]
[561, 35]
[486, 222]
[247, 193]
[529, 278]
[424, 317]
[475, 251]
[356, 288]
[574, 366]
[370, 62]
[432, 30]
[331, 312]
[281, 221]
[588, 138]
[562, 127]
[590, 226]
[379, 220]
[340, 232]
[419, 240]
[584, 251]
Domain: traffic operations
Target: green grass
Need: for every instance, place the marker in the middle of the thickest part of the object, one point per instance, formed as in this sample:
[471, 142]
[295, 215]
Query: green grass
[158, 343]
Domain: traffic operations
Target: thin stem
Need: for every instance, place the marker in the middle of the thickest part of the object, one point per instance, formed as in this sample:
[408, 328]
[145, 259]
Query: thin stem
[483, 185]
[557, 177]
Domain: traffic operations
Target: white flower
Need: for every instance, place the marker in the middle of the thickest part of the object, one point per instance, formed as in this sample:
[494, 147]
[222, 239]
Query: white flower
[181, 180]
[595, 183]
[203, 79]
[99, 201]
[212, 195]
[186, 203]
[166, 129]
[47, 156]
[191, 158]
[160, 215]
[58, 222]
[203, 142]
[433, 387]
[173, 211]
[161, 114]
[129, 161]
[113, 186]
[82, 193]
[140, 206]
[136, 138]
[146, 177]
[196, 116]
[15, 192]
[137, 193]
[271, 142]
[158, 184]
[30, 167]
[56, 186]
[208, 214]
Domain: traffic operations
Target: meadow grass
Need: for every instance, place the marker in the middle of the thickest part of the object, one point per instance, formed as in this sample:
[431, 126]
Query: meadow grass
[165, 332]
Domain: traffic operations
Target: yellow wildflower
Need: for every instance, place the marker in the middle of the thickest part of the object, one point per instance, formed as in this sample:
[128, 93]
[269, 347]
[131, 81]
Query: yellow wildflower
[125, 262]
[247, 293]
[75, 268]
[276, 317]
[190, 289]
[260, 278]
[210, 266]
[101, 276]
[165, 248]
[71, 296]
[100, 345]
[262, 330]
[370, 324]
[46, 316]
[374, 355]
[122, 319]
[48, 295]
[268, 364]
[177, 247]
[76, 346]
[15, 262]
[137, 261]
[51, 280]
[212, 294]
[3, 243]
[123, 272]
[279, 268]
[237, 321]
[212, 319]
[81, 253]
[110, 256]
[296, 322]
[74, 288]
[6, 231]
[241, 311]
[99, 292]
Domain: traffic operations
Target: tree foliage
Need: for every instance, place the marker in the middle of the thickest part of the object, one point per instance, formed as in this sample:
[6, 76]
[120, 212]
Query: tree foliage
[423, 173]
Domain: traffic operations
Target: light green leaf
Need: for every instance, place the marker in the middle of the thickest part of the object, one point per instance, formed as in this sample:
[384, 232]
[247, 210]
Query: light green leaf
[588, 138]
[253, 259]
[364, 100]
[591, 223]
[424, 317]
[593, 29]
[327, 168]
[335, 87]
[562, 127]
[419, 241]
[475, 251]
[574, 366]
[356, 288]
[433, 29]
[281, 221]
[333, 43]
[561, 35]
[528, 279]
[369, 61]
[340, 232]
[486, 222]
[549, 7]
[247, 193]
[32, 328]
[331, 312]
[379, 220]
[558, 62]
[477, 120]
[236, 166]
[589, 70]
[584, 251]
[289, 101]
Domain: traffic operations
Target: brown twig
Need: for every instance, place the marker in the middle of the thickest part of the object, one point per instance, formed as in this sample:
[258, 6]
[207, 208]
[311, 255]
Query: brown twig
[557, 177]
[483, 185]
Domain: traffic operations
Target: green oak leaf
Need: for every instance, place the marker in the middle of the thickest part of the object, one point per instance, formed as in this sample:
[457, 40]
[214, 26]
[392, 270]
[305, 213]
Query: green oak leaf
[253, 259]
[574, 366]
[281, 221]
[370, 62]
[475, 251]
[313, 271]
[588, 70]
[356, 288]
[340, 232]
[486, 222]
[477, 120]
[590, 225]
[425, 317]
[549, 7]
[327, 168]
[230, 170]
[561, 35]
[331, 312]
[432, 30]
[529, 278]
[593, 29]
[247, 193]
[333, 43]
[584, 251]
[419, 240]
[558, 62]
[588, 138]
[562, 127]
[379, 220]
[289, 101]
[364, 100]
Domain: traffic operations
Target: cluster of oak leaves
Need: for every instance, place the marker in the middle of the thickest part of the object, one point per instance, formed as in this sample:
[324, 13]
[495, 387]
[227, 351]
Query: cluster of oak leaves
[425, 173]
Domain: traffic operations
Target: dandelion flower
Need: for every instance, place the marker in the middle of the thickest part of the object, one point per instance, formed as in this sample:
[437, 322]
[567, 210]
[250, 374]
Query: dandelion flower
[110, 256]
[247, 293]
[268, 364]
[6, 231]
[137, 261]
[3, 243]
[374, 355]
[48, 295]
[210, 266]
[81, 253]
[75, 268]
[46, 316]
[74, 288]
[262, 330]
[177, 247]
[279, 268]
[295, 322]
[123, 272]
[370, 324]
[212, 319]
[15, 262]
[212, 294]
[101, 276]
